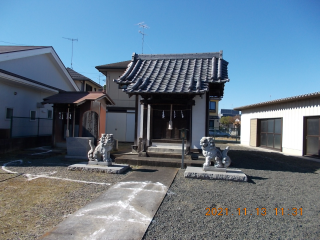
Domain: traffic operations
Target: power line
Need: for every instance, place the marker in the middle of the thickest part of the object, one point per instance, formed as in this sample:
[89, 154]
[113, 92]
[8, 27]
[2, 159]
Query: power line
[72, 40]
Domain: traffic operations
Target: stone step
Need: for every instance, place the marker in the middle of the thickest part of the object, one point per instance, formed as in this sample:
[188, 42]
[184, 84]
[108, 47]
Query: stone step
[156, 161]
[167, 155]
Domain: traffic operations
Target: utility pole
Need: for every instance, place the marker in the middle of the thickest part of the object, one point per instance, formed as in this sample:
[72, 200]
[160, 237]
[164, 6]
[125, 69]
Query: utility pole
[72, 40]
[143, 26]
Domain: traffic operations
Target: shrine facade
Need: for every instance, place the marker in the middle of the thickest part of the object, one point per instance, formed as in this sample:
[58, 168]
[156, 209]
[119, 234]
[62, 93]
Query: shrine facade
[172, 92]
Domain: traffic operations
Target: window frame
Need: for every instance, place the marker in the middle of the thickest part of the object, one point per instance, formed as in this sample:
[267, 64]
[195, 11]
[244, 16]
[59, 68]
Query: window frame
[50, 111]
[214, 110]
[7, 113]
[35, 115]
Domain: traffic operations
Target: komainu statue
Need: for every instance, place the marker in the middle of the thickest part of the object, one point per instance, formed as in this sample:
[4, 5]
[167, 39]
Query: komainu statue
[209, 150]
[101, 153]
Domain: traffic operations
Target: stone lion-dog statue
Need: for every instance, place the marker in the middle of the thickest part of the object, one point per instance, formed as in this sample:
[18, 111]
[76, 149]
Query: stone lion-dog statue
[101, 153]
[211, 153]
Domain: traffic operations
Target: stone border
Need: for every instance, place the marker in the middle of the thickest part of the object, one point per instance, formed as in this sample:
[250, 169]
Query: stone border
[114, 169]
[230, 175]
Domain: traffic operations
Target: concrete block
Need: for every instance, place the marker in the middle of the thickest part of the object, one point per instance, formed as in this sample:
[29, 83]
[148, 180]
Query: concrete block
[114, 169]
[231, 174]
[78, 147]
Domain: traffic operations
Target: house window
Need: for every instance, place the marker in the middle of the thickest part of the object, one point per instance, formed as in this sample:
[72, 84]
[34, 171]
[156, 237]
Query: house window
[50, 114]
[212, 106]
[9, 113]
[88, 88]
[122, 86]
[33, 115]
[271, 133]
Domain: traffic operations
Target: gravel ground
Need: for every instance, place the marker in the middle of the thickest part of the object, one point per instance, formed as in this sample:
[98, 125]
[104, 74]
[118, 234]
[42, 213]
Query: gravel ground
[275, 181]
[30, 208]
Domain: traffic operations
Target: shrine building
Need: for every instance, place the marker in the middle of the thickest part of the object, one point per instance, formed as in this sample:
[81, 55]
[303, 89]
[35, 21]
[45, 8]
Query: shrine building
[172, 92]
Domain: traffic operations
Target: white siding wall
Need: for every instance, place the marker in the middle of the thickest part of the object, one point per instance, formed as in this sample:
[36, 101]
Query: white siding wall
[120, 98]
[292, 114]
[198, 121]
[22, 103]
[42, 68]
[121, 125]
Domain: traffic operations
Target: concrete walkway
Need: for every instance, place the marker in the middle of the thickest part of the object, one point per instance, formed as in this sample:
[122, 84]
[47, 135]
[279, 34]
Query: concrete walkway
[124, 211]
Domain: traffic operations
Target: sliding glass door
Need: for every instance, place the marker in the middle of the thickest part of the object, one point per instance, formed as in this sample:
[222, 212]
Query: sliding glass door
[271, 133]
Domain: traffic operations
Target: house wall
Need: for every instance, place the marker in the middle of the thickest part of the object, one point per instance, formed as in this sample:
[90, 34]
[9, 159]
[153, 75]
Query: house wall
[121, 125]
[292, 115]
[198, 121]
[120, 98]
[42, 68]
[23, 102]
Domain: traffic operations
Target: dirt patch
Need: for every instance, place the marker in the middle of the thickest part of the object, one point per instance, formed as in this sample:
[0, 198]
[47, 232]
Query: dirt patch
[42, 193]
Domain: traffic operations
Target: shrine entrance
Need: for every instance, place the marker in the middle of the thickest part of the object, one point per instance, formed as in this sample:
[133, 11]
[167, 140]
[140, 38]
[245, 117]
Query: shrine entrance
[180, 117]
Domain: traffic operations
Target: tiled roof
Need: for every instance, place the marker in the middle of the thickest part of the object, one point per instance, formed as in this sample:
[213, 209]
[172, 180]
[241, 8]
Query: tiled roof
[118, 65]
[77, 76]
[77, 97]
[30, 80]
[281, 100]
[174, 73]
[7, 49]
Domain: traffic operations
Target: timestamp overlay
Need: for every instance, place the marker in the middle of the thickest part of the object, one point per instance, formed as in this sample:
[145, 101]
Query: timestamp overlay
[294, 211]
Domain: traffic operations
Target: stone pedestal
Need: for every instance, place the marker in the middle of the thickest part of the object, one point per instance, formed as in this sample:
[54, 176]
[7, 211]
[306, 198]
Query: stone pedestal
[230, 174]
[214, 169]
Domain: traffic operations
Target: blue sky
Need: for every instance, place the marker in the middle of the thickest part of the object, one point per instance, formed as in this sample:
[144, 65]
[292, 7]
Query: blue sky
[273, 47]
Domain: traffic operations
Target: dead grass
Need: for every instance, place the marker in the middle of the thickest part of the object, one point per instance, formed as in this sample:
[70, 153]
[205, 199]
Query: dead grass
[30, 208]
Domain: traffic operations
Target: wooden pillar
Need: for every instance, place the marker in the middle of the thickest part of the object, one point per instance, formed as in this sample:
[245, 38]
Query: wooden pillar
[73, 120]
[145, 125]
[189, 143]
[207, 113]
[67, 131]
[55, 115]
[136, 121]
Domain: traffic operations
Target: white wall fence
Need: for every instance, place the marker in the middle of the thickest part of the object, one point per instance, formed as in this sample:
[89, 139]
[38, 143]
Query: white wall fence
[27, 127]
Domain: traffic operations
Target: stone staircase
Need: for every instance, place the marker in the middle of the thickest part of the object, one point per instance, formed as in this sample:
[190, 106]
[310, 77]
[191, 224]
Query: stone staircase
[166, 150]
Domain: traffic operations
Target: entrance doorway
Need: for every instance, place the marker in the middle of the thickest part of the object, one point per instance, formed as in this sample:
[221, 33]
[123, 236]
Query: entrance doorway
[161, 118]
[312, 136]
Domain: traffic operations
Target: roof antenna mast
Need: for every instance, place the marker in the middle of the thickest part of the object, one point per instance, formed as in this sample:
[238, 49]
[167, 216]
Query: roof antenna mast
[143, 26]
[72, 40]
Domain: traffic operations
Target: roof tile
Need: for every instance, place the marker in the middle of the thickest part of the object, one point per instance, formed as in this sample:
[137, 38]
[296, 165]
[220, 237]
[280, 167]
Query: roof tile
[174, 73]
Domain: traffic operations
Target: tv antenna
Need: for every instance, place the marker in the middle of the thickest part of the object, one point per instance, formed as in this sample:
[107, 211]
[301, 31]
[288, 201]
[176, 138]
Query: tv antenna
[143, 26]
[72, 40]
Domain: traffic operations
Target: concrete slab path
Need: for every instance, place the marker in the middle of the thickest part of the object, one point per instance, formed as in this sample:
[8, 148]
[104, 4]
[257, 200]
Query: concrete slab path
[124, 211]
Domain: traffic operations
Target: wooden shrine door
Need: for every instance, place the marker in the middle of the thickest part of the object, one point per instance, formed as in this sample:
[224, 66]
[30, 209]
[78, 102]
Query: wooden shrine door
[161, 118]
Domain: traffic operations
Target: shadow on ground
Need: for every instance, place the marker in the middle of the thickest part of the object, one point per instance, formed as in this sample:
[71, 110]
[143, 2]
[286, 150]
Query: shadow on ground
[270, 161]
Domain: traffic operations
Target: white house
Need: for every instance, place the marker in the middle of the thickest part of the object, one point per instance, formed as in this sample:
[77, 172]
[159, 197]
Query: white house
[290, 125]
[28, 74]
